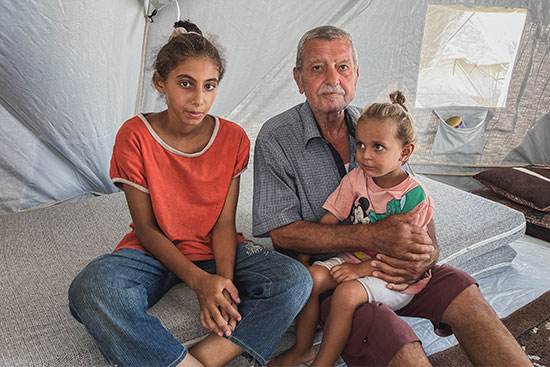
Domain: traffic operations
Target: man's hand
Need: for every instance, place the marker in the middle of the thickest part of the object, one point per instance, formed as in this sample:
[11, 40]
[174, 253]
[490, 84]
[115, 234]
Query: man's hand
[217, 310]
[405, 265]
[396, 236]
[398, 272]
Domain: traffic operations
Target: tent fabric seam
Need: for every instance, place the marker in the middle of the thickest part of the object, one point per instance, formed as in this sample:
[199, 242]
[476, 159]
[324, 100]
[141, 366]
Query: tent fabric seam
[482, 243]
[490, 268]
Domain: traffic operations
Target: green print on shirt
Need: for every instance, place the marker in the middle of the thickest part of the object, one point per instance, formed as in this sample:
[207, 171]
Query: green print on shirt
[408, 202]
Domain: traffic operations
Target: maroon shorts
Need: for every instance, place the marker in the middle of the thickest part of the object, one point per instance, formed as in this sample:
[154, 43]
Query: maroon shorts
[378, 332]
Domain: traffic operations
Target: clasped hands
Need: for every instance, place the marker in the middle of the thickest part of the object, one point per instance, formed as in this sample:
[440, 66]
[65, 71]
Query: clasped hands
[405, 251]
[218, 299]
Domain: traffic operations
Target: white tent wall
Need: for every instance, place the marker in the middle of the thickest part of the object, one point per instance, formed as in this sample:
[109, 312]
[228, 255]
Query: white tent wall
[506, 139]
[70, 75]
[260, 40]
[72, 69]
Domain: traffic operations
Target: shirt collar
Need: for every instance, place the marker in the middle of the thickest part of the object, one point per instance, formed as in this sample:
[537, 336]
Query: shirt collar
[311, 129]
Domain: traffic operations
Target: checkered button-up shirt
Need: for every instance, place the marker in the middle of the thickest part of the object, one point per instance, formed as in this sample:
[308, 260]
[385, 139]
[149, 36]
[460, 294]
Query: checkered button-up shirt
[295, 169]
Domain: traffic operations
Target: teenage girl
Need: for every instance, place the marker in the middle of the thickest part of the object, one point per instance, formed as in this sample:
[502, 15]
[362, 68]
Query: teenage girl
[385, 138]
[179, 170]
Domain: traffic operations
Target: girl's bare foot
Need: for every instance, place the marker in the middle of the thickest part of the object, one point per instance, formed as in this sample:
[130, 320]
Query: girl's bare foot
[292, 357]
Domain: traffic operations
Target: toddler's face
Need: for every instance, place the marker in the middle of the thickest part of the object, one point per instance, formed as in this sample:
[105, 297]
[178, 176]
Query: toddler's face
[378, 149]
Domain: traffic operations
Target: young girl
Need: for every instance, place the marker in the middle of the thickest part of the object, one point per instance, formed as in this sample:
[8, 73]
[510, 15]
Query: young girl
[179, 170]
[379, 187]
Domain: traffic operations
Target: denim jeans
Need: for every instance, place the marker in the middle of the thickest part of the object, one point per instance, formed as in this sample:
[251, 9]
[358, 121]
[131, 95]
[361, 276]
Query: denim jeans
[112, 294]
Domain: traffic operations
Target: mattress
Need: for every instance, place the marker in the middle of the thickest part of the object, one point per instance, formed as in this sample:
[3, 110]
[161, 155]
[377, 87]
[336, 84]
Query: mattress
[42, 250]
[473, 233]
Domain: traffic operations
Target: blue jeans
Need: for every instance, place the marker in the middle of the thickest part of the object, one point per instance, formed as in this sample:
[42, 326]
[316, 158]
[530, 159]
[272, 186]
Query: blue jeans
[112, 294]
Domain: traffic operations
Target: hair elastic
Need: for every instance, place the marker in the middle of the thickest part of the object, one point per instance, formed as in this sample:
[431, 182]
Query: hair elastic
[180, 30]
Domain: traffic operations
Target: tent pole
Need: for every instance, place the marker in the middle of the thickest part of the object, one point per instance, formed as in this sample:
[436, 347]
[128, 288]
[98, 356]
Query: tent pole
[142, 66]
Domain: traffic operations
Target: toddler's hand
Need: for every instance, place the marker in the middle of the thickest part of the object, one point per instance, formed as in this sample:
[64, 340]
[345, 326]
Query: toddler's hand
[346, 271]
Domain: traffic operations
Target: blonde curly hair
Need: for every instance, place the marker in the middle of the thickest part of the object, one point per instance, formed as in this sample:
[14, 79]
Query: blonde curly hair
[395, 112]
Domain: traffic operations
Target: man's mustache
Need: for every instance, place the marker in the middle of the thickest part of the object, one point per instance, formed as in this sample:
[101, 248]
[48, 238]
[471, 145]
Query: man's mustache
[331, 89]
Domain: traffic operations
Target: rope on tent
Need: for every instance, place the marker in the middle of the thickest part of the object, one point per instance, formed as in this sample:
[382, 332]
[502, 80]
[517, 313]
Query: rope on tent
[155, 5]
[159, 4]
[142, 66]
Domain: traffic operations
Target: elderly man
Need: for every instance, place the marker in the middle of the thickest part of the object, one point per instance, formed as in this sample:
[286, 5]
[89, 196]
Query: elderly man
[300, 157]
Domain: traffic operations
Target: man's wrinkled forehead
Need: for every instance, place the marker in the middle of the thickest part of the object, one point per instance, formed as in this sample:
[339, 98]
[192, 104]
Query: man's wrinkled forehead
[321, 55]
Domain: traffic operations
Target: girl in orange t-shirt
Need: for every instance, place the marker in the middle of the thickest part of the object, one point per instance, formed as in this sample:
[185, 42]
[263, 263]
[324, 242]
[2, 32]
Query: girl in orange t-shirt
[179, 170]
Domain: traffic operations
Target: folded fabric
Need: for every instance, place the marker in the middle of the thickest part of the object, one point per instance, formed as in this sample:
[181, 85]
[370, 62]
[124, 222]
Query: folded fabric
[528, 185]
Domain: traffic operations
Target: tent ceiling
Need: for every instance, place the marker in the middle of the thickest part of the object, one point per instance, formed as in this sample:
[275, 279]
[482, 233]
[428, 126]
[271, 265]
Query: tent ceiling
[70, 73]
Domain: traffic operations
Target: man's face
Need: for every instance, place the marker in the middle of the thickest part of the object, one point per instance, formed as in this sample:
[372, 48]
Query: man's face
[328, 76]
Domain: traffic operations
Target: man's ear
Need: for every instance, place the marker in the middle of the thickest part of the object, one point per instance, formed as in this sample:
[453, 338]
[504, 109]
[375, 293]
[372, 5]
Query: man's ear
[406, 152]
[298, 79]
[158, 82]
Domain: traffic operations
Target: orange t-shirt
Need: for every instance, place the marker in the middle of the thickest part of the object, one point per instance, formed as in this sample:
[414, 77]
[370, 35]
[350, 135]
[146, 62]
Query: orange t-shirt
[187, 190]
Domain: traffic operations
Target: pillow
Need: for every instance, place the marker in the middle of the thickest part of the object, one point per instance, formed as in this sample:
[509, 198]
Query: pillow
[528, 186]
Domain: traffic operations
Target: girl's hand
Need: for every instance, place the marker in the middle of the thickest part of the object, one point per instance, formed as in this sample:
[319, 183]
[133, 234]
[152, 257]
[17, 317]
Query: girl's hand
[230, 320]
[346, 271]
[214, 304]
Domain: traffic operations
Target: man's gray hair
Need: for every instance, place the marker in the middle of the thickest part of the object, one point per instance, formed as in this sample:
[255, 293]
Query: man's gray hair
[326, 32]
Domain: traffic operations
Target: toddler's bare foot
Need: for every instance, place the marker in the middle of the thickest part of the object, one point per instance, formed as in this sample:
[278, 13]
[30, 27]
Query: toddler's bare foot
[292, 357]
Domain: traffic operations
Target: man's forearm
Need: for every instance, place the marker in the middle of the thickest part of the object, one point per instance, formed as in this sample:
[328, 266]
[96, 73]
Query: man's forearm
[394, 236]
[316, 238]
